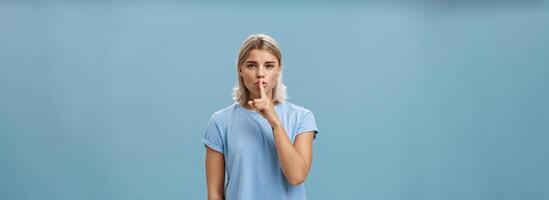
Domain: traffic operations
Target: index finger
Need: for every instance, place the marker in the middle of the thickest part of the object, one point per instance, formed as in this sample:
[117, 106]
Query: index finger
[262, 89]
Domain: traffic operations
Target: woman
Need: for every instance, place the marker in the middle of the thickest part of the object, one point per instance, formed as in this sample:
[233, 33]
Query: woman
[262, 141]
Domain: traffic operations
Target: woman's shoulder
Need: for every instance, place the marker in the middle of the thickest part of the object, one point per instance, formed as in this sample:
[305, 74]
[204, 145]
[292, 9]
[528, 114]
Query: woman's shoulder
[224, 112]
[291, 107]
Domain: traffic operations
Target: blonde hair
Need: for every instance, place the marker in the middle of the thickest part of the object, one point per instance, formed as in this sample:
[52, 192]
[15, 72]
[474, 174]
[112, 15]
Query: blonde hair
[263, 42]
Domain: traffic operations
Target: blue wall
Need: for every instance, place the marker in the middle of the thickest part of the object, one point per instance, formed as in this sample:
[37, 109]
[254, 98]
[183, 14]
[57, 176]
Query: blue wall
[427, 100]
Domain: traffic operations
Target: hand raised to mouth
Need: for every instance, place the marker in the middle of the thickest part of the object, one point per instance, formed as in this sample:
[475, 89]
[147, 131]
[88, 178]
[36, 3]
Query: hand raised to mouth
[264, 105]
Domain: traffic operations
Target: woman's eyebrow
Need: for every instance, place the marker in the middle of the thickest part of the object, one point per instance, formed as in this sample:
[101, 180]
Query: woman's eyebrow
[255, 62]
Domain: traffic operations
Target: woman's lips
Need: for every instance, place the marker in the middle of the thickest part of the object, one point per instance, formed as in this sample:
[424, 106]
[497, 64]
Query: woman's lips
[257, 85]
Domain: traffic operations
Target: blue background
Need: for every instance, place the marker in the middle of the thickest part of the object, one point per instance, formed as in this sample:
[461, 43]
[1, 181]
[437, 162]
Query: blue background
[414, 100]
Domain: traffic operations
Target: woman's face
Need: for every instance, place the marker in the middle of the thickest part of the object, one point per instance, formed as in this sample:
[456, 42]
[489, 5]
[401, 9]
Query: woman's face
[260, 65]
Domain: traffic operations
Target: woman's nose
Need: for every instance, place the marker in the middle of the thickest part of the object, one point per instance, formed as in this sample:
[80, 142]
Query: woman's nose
[260, 72]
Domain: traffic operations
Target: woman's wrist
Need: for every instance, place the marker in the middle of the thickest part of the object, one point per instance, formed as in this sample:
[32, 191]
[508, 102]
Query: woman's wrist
[276, 125]
[273, 120]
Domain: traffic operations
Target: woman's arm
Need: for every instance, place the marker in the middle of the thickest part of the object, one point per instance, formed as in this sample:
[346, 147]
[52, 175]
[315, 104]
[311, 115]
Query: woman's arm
[295, 159]
[215, 174]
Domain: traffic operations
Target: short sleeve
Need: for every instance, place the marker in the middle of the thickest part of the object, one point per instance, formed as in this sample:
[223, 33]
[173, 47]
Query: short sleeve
[212, 136]
[307, 124]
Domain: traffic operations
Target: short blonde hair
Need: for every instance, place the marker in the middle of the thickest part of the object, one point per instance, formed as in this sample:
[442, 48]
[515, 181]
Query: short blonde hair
[263, 42]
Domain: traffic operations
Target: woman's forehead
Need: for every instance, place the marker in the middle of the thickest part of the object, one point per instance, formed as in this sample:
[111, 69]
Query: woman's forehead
[261, 55]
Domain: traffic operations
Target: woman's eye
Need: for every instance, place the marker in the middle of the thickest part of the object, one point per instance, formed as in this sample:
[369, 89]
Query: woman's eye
[250, 65]
[269, 66]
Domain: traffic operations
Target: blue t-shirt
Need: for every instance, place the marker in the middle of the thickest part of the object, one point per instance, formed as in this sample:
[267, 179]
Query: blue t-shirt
[246, 140]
